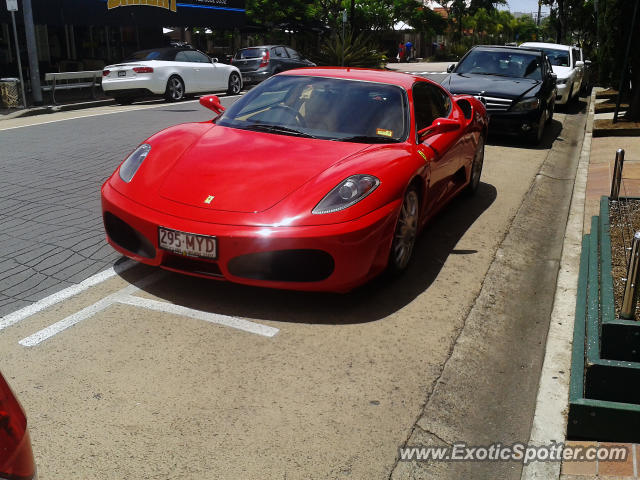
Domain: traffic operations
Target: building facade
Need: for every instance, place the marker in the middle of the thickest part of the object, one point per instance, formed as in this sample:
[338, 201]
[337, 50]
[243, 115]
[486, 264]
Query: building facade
[76, 35]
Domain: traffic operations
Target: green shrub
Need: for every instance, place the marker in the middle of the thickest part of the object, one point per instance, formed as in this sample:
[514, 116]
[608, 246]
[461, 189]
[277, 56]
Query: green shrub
[359, 51]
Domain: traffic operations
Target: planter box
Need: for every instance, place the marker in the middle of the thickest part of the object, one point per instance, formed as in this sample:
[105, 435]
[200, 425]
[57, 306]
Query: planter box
[604, 395]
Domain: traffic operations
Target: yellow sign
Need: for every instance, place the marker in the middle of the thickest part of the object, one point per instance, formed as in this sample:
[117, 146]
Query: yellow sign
[384, 132]
[168, 4]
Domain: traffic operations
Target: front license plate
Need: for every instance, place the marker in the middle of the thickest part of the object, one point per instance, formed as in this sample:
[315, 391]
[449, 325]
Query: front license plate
[122, 73]
[190, 244]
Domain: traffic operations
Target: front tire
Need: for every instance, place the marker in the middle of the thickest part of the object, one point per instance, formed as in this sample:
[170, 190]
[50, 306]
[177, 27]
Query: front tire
[175, 89]
[536, 136]
[235, 84]
[404, 236]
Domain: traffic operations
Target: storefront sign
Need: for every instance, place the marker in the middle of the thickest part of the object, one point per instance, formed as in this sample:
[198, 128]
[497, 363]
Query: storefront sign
[168, 4]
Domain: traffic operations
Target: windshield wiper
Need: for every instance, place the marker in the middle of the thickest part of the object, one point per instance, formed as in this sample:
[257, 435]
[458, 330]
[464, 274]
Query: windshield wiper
[367, 139]
[265, 127]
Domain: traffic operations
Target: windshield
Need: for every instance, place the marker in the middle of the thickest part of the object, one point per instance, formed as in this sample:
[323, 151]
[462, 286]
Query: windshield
[501, 63]
[147, 55]
[559, 58]
[325, 108]
[250, 53]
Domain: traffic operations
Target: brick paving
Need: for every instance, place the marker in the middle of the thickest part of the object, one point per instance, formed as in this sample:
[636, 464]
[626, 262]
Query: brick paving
[601, 164]
[51, 233]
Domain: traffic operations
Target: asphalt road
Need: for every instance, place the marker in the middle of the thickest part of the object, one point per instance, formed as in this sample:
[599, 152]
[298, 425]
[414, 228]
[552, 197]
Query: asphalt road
[187, 378]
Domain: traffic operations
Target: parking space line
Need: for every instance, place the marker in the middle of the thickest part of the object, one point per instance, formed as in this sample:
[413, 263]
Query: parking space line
[228, 321]
[88, 312]
[64, 294]
[124, 296]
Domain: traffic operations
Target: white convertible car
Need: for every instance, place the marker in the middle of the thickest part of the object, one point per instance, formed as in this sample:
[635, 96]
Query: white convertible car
[172, 72]
[567, 64]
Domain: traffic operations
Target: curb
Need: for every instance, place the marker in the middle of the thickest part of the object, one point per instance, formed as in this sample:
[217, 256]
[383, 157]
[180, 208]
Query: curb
[552, 402]
[29, 112]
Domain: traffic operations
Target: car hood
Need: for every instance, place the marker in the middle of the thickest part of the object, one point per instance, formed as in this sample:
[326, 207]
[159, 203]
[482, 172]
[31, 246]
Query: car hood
[237, 170]
[562, 72]
[491, 85]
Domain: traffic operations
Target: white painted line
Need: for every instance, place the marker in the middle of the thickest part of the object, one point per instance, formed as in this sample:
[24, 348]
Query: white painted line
[62, 295]
[88, 312]
[70, 321]
[228, 321]
[135, 108]
[549, 420]
[124, 296]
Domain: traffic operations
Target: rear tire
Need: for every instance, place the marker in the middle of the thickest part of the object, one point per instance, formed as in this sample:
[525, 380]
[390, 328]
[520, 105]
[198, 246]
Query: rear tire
[124, 100]
[175, 89]
[235, 84]
[476, 168]
[404, 236]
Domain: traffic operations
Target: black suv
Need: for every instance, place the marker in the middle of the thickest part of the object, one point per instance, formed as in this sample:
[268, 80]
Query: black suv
[258, 63]
[517, 84]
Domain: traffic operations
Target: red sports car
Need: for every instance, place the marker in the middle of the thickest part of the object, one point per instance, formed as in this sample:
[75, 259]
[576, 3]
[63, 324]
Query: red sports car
[317, 179]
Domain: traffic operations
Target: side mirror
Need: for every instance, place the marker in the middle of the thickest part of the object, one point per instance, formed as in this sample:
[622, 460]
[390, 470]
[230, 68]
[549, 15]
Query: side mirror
[439, 125]
[554, 76]
[579, 63]
[587, 63]
[451, 67]
[212, 102]
[214, 60]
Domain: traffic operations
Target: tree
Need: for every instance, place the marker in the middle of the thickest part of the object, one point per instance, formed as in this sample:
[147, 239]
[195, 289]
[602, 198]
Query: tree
[613, 48]
[488, 5]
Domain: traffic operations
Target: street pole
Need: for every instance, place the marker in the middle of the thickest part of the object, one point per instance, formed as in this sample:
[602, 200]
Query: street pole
[15, 36]
[32, 51]
[344, 20]
[623, 75]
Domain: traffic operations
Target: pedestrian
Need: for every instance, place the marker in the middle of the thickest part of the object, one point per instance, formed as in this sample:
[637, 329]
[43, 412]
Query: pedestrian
[408, 47]
[401, 52]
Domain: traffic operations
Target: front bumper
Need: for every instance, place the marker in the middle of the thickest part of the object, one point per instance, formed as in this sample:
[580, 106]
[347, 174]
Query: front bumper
[514, 123]
[334, 257]
[563, 93]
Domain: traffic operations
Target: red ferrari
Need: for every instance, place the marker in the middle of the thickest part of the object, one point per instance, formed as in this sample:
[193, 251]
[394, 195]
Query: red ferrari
[317, 179]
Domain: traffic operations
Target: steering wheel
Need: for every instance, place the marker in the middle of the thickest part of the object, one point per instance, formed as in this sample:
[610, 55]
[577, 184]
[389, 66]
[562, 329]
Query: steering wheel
[292, 112]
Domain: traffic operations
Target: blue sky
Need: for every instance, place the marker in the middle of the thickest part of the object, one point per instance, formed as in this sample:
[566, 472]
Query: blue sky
[526, 6]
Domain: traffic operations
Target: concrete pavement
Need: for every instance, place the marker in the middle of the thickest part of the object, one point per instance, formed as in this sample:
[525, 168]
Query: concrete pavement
[490, 316]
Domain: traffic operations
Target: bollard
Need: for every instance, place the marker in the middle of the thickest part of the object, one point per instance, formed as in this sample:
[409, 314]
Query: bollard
[630, 294]
[617, 175]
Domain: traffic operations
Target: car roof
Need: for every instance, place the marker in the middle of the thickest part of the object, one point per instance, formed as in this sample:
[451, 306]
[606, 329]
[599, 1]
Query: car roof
[262, 46]
[504, 48]
[556, 46]
[404, 80]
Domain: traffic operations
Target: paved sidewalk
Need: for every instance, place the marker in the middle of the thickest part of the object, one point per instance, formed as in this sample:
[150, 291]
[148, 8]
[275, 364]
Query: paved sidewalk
[601, 162]
[8, 114]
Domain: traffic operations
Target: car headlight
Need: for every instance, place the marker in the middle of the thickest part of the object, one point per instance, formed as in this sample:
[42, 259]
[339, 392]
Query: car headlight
[561, 81]
[132, 163]
[526, 105]
[347, 193]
